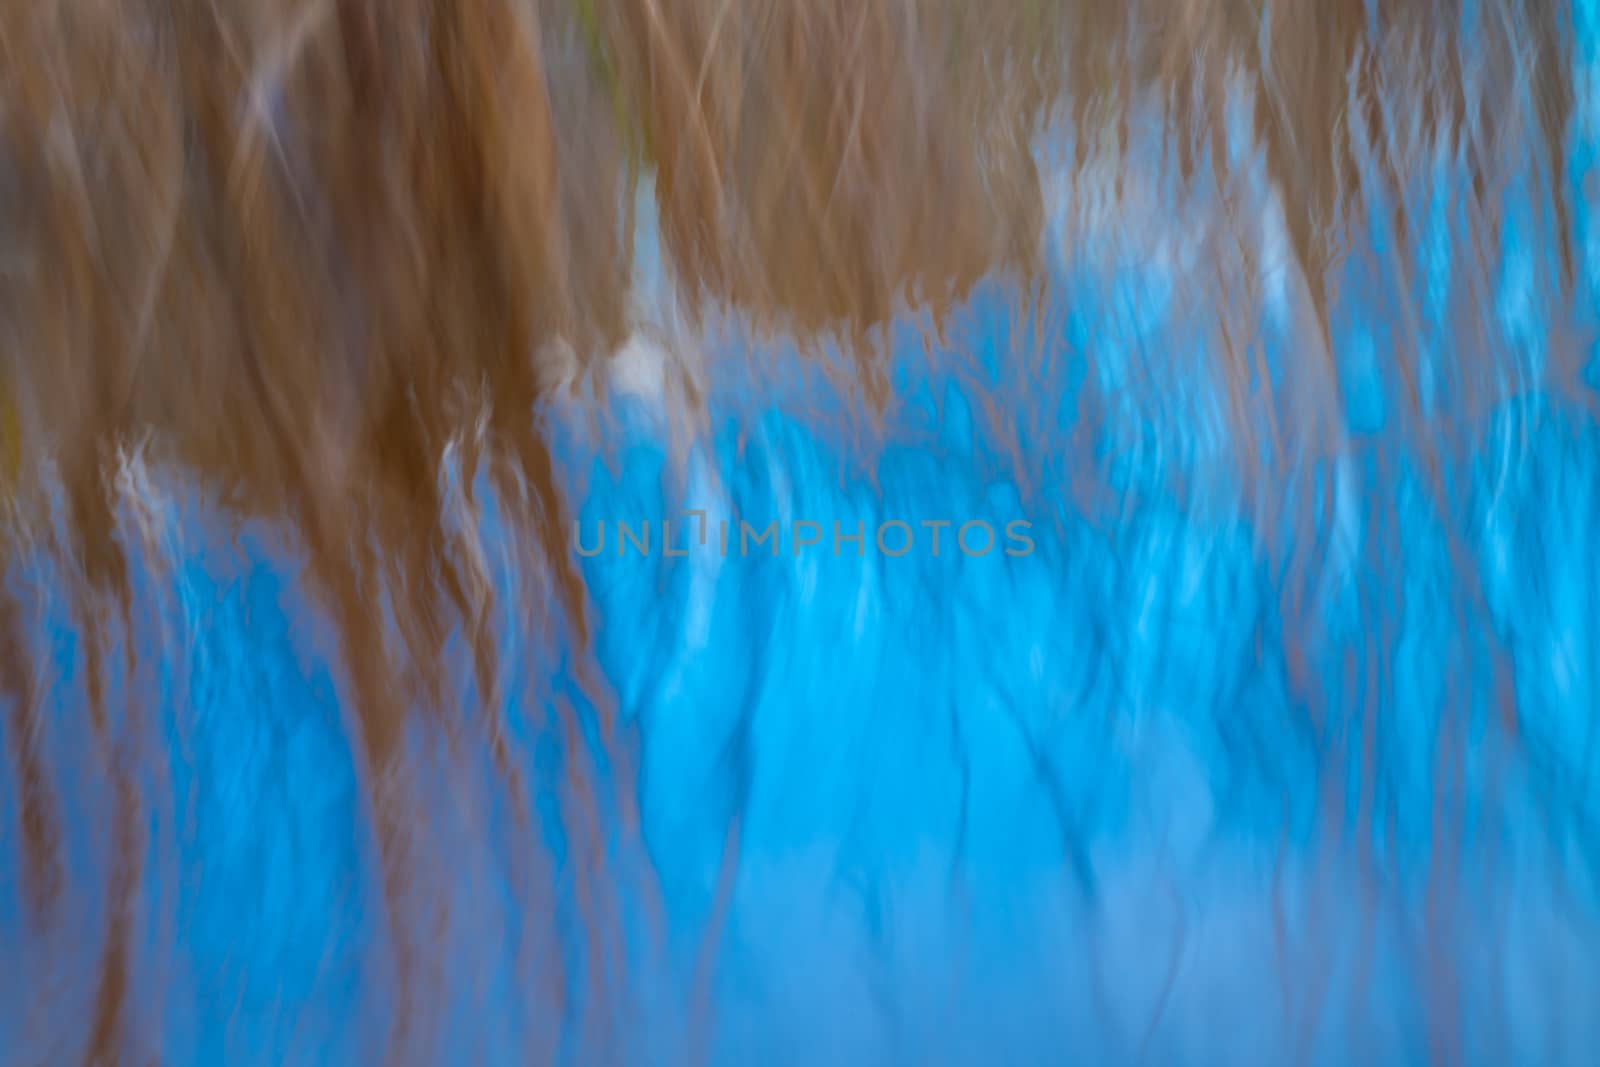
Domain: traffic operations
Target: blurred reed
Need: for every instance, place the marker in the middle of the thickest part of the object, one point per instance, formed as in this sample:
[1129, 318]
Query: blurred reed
[313, 252]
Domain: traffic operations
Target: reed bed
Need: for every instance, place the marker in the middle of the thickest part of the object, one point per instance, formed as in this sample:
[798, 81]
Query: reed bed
[330, 257]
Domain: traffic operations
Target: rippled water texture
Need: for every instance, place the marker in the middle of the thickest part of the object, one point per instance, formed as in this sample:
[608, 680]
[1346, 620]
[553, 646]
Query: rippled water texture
[324, 326]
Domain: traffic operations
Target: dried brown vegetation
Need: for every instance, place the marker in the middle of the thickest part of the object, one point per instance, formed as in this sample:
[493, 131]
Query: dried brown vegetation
[302, 246]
